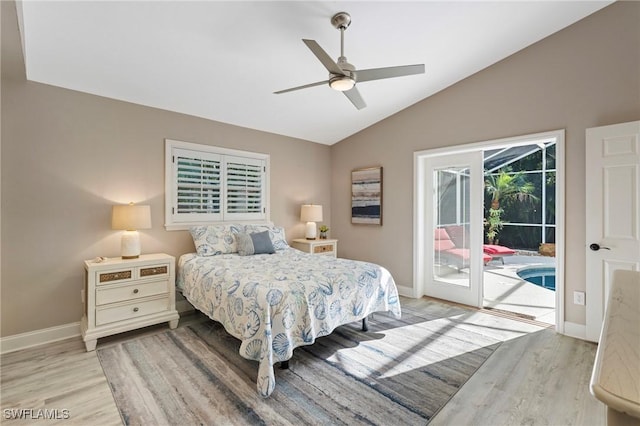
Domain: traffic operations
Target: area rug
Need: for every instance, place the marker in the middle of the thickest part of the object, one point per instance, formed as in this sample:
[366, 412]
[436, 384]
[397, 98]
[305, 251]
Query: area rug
[400, 372]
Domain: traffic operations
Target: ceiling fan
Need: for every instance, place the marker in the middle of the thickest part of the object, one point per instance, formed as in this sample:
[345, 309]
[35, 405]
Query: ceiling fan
[342, 75]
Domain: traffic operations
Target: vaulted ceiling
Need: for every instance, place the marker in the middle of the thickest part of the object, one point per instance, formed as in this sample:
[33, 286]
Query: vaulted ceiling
[223, 60]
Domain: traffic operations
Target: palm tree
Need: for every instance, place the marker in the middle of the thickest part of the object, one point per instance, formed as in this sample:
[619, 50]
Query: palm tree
[504, 186]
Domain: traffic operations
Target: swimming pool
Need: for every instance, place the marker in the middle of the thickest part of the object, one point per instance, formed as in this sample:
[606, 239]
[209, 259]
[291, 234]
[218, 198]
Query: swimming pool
[543, 276]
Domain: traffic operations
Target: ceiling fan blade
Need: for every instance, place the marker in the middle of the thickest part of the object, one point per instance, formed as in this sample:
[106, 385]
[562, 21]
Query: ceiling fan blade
[319, 83]
[388, 72]
[355, 98]
[324, 57]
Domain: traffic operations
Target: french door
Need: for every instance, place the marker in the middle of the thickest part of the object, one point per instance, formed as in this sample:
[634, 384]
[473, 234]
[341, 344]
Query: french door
[453, 227]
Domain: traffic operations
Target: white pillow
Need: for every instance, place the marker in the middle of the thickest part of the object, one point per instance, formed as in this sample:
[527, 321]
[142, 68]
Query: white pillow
[216, 239]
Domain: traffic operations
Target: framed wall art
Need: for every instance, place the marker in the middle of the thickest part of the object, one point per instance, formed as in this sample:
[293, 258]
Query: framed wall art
[366, 196]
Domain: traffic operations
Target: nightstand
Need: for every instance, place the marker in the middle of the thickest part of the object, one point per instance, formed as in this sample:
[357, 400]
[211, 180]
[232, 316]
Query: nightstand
[125, 294]
[326, 247]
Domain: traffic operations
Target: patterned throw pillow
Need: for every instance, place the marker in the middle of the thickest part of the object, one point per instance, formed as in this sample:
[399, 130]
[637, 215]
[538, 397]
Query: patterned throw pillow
[276, 233]
[256, 243]
[216, 239]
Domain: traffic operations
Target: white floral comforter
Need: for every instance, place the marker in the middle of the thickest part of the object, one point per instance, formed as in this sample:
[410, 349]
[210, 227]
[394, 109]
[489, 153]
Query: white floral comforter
[276, 302]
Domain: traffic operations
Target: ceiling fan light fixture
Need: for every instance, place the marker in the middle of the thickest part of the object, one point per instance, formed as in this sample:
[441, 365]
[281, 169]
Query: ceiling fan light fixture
[342, 83]
[343, 75]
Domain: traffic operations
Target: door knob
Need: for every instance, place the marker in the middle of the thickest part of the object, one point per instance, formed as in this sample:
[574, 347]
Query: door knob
[596, 247]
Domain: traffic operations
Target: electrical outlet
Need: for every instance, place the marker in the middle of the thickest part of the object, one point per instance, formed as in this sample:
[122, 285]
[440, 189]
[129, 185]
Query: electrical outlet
[578, 298]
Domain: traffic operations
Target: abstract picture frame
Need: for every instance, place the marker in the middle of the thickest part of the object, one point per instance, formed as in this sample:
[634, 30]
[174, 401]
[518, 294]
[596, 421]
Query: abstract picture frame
[366, 196]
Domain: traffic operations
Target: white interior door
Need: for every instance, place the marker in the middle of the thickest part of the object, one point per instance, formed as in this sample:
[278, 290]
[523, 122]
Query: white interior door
[453, 231]
[612, 212]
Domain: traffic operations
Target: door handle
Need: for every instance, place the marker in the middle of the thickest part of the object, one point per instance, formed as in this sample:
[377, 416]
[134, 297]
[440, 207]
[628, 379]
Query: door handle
[596, 247]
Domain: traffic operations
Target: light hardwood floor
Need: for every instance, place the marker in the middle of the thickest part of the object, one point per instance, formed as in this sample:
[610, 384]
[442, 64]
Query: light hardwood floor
[536, 377]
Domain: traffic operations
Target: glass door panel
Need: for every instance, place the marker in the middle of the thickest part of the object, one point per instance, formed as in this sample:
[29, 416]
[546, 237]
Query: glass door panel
[453, 263]
[450, 225]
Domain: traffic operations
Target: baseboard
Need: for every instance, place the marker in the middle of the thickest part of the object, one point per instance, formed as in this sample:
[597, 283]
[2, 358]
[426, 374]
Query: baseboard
[406, 291]
[60, 332]
[579, 331]
[38, 337]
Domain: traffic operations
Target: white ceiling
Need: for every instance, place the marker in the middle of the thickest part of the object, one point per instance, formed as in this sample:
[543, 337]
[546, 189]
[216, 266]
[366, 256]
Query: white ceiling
[224, 60]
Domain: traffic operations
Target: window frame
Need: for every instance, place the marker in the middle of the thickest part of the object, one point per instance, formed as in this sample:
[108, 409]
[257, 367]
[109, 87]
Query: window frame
[178, 221]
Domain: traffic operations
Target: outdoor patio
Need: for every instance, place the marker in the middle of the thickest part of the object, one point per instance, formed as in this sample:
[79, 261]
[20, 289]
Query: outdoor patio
[504, 290]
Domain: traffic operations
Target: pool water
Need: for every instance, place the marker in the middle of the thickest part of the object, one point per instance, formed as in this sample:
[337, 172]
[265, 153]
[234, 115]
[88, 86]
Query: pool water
[543, 276]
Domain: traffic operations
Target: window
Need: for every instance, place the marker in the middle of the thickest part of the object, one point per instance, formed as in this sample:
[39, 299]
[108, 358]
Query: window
[206, 184]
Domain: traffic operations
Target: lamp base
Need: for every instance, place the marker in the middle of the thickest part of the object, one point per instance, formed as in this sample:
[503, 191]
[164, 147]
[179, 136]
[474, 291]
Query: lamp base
[130, 245]
[310, 233]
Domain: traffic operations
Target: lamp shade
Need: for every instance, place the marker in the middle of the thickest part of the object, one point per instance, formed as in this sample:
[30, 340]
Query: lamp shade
[311, 213]
[131, 217]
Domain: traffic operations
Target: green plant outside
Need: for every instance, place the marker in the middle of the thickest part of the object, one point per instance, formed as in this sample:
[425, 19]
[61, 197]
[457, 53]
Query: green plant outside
[504, 186]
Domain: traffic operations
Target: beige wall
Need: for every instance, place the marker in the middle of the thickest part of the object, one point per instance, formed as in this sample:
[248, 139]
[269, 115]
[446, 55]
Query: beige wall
[584, 76]
[67, 157]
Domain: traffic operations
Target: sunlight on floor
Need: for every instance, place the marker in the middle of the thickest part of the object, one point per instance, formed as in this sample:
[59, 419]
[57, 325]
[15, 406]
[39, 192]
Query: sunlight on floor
[430, 342]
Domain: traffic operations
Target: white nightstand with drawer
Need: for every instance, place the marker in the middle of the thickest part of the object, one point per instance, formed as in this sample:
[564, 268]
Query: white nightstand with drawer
[124, 294]
[326, 247]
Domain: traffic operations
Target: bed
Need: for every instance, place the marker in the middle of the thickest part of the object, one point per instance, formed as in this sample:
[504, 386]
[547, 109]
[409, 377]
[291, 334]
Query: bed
[274, 302]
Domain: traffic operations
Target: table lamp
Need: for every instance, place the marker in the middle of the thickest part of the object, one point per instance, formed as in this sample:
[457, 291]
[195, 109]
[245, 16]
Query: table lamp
[311, 213]
[130, 218]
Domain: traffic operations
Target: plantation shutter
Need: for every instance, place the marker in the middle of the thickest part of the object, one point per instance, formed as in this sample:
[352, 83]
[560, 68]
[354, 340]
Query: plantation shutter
[206, 184]
[244, 188]
[197, 186]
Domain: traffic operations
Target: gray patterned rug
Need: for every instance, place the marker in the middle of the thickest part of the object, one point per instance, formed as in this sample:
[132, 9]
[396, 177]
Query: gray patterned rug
[399, 372]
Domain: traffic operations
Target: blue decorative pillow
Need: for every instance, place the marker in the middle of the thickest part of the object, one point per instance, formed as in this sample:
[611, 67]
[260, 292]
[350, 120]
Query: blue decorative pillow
[256, 243]
[276, 233]
[215, 239]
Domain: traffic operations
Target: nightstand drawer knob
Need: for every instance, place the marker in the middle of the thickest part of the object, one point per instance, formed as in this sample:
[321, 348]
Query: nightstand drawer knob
[135, 309]
[135, 291]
